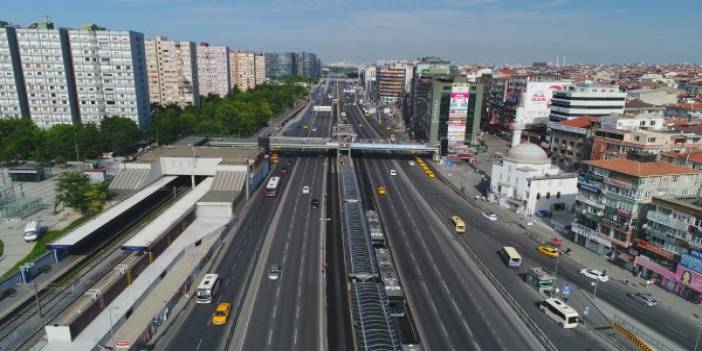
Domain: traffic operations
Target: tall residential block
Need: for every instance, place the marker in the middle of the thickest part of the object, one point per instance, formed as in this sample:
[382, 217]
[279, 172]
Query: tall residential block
[260, 68]
[391, 82]
[244, 65]
[57, 76]
[213, 69]
[110, 74]
[172, 71]
[13, 94]
[48, 74]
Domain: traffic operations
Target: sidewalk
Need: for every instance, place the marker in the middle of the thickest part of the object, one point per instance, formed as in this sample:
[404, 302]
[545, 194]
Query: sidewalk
[473, 183]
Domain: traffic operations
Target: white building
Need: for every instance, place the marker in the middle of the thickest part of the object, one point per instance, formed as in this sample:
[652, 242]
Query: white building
[110, 74]
[243, 69]
[213, 70]
[586, 100]
[654, 96]
[13, 95]
[260, 68]
[47, 73]
[526, 181]
[172, 72]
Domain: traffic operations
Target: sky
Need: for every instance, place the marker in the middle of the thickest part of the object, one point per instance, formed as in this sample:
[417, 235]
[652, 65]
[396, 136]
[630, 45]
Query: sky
[363, 31]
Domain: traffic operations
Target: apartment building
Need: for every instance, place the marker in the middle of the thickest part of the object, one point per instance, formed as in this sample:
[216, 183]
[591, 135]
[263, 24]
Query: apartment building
[110, 74]
[213, 73]
[244, 69]
[587, 100]
[286, 64]
[172, 72]
[614, 195]
[48, 74]
[571, 142]
[618, 135]
[686, 158]
[260, 68]
[670, 247]
[13, 93]
[391, 82]
[533, 93]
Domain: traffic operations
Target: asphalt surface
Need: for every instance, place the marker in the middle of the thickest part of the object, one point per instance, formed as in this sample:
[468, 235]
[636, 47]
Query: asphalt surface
[453, 310]
[485, 238]
[288, 312]
[195, 331]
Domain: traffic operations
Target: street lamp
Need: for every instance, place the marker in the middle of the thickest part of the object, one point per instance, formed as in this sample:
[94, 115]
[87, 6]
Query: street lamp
[112, 331]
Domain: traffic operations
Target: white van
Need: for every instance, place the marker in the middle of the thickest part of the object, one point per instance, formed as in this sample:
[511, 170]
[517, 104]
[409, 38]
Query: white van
[32, 231]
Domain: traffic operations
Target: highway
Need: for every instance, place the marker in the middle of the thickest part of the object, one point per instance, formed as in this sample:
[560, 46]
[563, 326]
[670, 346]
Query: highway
[454, 306]
[193, 329]
[485, 238]
[288, 313]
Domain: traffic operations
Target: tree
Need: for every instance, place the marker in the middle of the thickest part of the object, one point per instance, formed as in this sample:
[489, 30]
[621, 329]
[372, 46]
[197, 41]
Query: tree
[95, 198]
[71, 188]
[20, 139]
[121, 135]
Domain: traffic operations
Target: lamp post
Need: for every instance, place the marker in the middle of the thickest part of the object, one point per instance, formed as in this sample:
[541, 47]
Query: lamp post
[112, 331]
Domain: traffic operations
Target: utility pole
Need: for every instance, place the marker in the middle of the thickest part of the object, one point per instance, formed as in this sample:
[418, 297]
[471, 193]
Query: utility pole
[75, 143]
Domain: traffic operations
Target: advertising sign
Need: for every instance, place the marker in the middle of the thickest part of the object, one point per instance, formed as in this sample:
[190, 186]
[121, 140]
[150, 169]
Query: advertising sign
[692, 262]
[458, 113]
[537, 100]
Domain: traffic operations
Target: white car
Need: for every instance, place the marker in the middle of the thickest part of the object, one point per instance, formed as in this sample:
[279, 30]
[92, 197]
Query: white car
[314, 129]
[489, 215]
[411, 163]
[393, 172]
[594, 274]
[306, 189]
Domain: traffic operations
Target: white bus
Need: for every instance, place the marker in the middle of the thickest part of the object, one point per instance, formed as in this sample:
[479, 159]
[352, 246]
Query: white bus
[511, 257]
[207, 288]
[272, 187]
[564, 315]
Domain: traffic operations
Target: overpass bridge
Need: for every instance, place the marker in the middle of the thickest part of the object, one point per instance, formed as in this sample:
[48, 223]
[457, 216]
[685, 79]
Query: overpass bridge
[324, 144]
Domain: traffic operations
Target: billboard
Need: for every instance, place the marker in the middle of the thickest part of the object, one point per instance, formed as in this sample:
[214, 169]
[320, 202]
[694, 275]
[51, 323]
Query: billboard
[537, 100]
[458, 113]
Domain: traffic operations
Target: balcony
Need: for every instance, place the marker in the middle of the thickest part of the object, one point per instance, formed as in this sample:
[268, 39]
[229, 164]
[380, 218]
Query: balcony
[590, 202]
[667, 221]
[615, 224]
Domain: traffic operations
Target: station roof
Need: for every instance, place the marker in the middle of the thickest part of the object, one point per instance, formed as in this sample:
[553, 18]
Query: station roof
[376, 328]
[111, 213]
[229, 155]
[145, 238]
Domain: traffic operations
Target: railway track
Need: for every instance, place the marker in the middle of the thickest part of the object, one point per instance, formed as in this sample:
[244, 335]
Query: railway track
[24, 325]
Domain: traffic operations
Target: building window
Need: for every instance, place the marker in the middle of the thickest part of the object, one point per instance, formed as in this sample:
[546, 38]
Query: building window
[558, 195]
[538, 196]
[548, 195]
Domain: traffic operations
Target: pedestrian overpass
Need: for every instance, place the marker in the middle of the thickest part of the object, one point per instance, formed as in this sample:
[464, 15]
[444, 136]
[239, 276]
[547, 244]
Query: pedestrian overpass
[325, 144]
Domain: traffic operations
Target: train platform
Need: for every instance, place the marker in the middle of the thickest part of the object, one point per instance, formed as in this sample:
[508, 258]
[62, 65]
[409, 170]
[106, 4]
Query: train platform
[96, 229]
[131, 310]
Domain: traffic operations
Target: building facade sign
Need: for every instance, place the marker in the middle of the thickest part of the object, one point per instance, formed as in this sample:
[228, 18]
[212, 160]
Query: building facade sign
[693, 262]
[458, 113]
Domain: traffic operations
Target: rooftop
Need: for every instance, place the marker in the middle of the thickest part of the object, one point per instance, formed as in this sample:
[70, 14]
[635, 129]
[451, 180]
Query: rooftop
[636, 103]
[641, 169]
[580, 122]
[229, 155]
[688, 204]
[692, 155]
[527, 153]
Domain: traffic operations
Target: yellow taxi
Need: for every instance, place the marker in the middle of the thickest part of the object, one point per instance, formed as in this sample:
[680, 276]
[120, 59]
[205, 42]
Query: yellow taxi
[221, 314]
[547, 251]
[431, 174]
[381, 190]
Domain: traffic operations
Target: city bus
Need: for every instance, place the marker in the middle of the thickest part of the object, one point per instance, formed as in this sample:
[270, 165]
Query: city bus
[564, 315]
[272, 187]
[207, 288]
[458, 225]
[511, 257]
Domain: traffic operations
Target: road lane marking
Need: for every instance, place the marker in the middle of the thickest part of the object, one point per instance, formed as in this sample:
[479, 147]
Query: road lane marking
[676, 331]
[198, 345]
[270, 336]
[275, 311]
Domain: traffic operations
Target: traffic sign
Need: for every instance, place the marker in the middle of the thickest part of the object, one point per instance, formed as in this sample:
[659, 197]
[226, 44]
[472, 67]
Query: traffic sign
[566, 289]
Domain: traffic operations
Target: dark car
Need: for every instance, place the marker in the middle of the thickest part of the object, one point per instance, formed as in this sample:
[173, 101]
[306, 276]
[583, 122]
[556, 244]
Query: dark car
[284, 170]
[314, 203]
